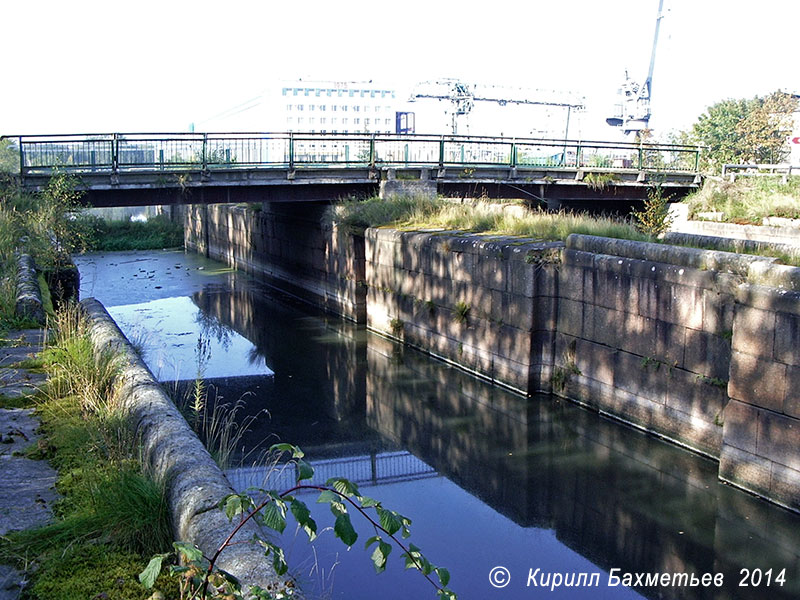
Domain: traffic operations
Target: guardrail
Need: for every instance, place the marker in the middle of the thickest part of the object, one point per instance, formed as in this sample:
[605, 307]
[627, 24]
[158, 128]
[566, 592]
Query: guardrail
[732, 171]
[121, 152]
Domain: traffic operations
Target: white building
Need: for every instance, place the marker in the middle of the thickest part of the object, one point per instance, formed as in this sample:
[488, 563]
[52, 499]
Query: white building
[336, 107]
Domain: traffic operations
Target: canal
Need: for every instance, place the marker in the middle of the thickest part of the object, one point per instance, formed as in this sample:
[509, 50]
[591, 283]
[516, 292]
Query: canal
[489, 478]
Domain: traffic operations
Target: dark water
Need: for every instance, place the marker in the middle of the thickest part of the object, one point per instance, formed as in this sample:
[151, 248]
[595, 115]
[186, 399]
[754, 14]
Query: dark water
[489, 478]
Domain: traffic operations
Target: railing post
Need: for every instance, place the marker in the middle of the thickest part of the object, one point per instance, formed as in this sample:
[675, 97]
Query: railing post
[114, 154]
[291, 151]
[21, 158]
[372, 151]
[578, 151]
[513, 155]
[441, 153]
[641, 156]
[697, 160]
[204, 152]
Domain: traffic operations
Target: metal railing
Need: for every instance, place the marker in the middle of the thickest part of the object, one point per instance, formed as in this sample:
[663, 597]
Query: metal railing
[117, 152]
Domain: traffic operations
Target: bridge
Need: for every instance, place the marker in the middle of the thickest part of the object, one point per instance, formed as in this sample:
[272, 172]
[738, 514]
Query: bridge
[138, 169]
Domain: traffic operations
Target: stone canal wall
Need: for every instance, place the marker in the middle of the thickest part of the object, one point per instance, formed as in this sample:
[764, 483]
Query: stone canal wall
[288, 245]
[697, 346]
[487, 304]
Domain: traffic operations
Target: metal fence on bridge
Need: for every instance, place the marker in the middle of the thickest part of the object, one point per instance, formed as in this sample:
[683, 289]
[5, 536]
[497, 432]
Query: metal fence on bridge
[209, 151]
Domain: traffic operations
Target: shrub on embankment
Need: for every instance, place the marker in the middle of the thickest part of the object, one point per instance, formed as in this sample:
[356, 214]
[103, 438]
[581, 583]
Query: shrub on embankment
[156, 233]
[748, 200]
[112, 516]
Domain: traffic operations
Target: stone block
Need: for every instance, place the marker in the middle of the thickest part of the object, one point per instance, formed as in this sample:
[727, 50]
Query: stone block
[570, 317]
[718, 312]
[570, 283]
[545, 312]
[787, 338]
[707, 354]
[635, 375]
[740, 426]
[754, 331]
[607, 329]
[670, 341]
[695, 396]
[638, 334]
[779, 438]
[647, 297]
[785, 486]
[521, 278]
[745, 470]
[791, 403]
[758, 382]
[681, 305]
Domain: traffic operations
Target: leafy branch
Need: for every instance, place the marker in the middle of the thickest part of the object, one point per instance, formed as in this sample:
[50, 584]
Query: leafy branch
[199, 573]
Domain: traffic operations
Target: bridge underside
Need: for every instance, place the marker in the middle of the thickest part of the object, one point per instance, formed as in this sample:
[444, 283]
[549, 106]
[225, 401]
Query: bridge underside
[556, 187]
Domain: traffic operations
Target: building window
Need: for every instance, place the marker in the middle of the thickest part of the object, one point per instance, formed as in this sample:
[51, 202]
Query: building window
[334, 107]
[366, 122]
[311, 107]
[345, 121]
[300, 107]
[285, 91]
[356, 108]
[344, 107]
[289, 107]
[356, 121]
[323, 107]
[322, 121]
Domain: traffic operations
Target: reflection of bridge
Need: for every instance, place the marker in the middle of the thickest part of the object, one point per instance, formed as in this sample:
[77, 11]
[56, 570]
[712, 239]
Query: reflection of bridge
[367, 469]
[115, 169]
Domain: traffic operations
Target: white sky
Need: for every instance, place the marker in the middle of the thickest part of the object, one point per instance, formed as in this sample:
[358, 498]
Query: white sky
[92, 66]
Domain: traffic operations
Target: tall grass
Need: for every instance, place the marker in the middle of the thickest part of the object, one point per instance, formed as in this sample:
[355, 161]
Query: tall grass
[748, 199]
[155, 233]
[481, 217]
[108, 500]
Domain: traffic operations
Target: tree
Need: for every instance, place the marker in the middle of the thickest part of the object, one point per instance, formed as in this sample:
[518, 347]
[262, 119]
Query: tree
[745, 131]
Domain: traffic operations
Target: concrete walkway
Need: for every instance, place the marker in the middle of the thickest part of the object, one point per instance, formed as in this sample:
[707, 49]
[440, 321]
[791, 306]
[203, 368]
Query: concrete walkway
[27, 486]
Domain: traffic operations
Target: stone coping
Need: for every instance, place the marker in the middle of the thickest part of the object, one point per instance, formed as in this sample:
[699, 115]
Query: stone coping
[172, 452]
[29, 297]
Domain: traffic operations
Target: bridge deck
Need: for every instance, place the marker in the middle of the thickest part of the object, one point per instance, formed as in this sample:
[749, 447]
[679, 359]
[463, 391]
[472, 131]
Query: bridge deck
[301, 166]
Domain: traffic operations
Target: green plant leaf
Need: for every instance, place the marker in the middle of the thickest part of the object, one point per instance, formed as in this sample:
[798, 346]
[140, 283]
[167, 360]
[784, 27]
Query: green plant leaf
[344, 530]
[273, 515]
[278, 557]
[389, 520]
[446, 594]
[370, 541]
[367, 502]
[189, 552]
[343, 486]
[304, 470]
[153, 569]
[380, 555]
[444, 575]
[290, 448]
[303, 516]
[337, 506]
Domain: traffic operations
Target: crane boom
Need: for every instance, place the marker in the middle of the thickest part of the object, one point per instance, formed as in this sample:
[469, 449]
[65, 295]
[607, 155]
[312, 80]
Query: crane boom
[463, 97]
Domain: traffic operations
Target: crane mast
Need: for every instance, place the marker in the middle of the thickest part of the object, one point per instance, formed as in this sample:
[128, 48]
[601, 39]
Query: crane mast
[633, 112]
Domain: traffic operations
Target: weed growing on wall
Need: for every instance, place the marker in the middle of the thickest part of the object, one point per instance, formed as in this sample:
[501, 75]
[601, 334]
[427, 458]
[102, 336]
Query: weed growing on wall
[269, 508]
[654, 219]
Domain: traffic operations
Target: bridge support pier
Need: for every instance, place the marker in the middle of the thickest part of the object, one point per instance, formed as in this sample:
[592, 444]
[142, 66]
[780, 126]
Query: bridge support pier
[412, 182]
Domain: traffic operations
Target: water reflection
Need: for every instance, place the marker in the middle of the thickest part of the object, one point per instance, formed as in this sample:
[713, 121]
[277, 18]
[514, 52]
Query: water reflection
[617, 497]
[489, 477]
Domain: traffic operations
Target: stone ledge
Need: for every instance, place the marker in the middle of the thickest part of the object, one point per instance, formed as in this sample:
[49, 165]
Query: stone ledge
[174, 454]
[29, 296]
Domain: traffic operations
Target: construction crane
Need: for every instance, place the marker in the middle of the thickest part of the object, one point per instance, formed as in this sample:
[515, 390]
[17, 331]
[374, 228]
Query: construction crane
[463, 98]
[633, 111]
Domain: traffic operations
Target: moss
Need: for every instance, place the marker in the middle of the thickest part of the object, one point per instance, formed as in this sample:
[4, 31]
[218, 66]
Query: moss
[24, 401]
[96, 571]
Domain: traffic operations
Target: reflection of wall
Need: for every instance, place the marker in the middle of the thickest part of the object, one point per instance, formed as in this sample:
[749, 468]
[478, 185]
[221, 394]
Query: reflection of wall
[615, 496]
[323, 371]
[285, 244]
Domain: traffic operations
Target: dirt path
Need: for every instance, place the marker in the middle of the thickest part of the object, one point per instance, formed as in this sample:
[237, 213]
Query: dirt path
[26, 486]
